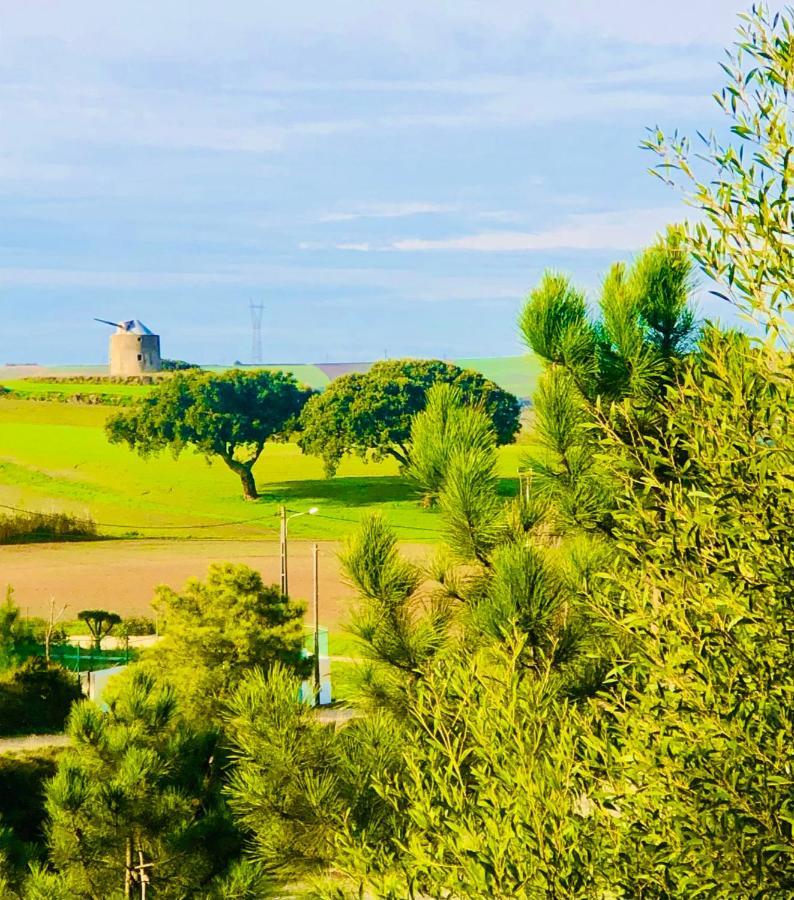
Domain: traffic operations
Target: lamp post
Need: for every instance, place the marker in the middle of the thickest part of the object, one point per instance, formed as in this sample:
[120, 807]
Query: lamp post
[284, 534]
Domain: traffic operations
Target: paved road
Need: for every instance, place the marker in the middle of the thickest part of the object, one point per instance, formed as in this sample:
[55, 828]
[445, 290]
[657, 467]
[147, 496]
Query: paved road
[332, 716]
[33, 742]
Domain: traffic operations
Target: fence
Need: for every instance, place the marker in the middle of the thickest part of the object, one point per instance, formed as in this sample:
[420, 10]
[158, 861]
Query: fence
[80, 659]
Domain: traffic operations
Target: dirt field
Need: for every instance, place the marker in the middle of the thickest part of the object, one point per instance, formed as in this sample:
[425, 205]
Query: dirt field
[122, 575]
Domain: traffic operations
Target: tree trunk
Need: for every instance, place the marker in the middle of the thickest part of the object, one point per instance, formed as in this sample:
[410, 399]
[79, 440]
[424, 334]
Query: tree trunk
[245, 475]
[401, 457]
[249, 484]
[244, 471]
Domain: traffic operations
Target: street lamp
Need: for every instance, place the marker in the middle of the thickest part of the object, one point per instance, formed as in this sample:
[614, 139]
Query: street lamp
[284, 531]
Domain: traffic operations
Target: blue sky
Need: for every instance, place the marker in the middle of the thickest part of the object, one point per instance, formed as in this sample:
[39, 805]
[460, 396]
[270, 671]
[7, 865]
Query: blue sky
[387, 178]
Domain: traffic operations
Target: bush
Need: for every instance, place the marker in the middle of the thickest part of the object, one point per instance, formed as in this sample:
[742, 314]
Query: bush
[36, 698]
[60, 397]
[177, 365]
[22, 782]
[29, 527]
[137, 625]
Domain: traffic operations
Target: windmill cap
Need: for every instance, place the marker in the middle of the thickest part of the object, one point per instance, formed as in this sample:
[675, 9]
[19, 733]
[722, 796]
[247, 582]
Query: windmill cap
[134, 326]
[131, 326]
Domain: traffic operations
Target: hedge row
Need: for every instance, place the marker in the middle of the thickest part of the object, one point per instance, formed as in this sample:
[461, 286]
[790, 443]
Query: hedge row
[60, 397]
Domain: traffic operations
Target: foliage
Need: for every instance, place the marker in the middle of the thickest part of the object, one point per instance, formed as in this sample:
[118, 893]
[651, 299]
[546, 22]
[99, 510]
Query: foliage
[369, 414]
[296, 781]
[137, 787]
[100, 623]
[103, 398]
[744, 187]
[620, 365]
[137, 625]
[36, 697]
[445, 424]
[230, 416]
[177, 365]
[489, 788]
[401, 629]
[701, 732]
[23, 777]
[214, 631]
[15, 632]
[25, 527]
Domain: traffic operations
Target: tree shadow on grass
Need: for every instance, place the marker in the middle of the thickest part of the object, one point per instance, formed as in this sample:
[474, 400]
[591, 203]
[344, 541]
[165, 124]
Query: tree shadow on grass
[360, 491]
[363, 491]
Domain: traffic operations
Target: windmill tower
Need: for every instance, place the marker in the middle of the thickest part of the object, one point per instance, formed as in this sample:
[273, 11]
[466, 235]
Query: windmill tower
[134, 349]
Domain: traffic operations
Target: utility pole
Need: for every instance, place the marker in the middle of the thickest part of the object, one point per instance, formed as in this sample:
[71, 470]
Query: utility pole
[284, 584]
[316, 597]
[257, 310]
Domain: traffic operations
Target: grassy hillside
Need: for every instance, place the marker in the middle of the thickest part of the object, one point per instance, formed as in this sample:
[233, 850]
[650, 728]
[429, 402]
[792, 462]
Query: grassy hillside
[54, 456]
[517, 374]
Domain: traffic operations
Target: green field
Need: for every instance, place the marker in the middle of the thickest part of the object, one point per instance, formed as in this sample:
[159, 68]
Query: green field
[32, 388]
[54, 456]
[517, 374]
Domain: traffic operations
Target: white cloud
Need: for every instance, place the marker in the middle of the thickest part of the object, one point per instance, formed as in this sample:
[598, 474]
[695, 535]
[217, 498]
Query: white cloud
[170, 28]
[616, 231]
[387, 211]
[387, 282]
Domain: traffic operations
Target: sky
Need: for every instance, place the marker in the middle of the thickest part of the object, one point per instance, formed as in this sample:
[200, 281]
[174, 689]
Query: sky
[386, 178]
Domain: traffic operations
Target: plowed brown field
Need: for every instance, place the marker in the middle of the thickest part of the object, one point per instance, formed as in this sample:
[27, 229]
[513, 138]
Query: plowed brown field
[122, 575]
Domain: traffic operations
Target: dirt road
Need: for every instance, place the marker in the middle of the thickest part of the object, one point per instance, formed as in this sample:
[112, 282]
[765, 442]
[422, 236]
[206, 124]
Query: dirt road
[122, 575]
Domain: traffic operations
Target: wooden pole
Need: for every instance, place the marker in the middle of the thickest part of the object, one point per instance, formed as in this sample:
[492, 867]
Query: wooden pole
[283, 536]
[316, 596]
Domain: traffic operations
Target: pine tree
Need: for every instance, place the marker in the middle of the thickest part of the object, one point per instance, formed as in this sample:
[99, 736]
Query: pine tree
[616, 367]
[137, 797]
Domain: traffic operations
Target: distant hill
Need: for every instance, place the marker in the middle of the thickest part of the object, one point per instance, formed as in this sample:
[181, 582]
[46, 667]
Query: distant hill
[517, 374]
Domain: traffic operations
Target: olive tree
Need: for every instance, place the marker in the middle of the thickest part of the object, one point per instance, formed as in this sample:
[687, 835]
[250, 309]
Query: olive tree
[743, 185]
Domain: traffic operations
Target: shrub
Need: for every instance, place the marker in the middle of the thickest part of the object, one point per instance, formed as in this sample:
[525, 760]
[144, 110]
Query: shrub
[137, 625]
[61, 397]
[22, 781]
[177, 365]
[36, 698]
[30, 527]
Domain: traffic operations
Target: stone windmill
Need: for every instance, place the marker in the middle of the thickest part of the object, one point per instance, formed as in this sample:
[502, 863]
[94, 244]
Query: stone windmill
[134, 349]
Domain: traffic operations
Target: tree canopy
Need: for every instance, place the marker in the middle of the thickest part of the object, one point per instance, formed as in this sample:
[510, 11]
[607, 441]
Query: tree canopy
[446, 422]
[230, 416]
[618, 365]
[216, 630]
[370, 414]
[100, 623]
[137, 796]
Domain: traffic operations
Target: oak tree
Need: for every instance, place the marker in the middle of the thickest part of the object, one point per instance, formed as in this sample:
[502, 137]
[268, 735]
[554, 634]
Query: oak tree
[230, 416]
[370, 413]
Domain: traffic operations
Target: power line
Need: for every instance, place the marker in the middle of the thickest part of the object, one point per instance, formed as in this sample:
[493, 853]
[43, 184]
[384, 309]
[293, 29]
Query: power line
[391, 524]
[138, 527]
[207, 525]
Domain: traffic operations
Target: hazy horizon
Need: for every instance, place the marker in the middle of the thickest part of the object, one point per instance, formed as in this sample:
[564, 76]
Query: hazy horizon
[389, 180]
